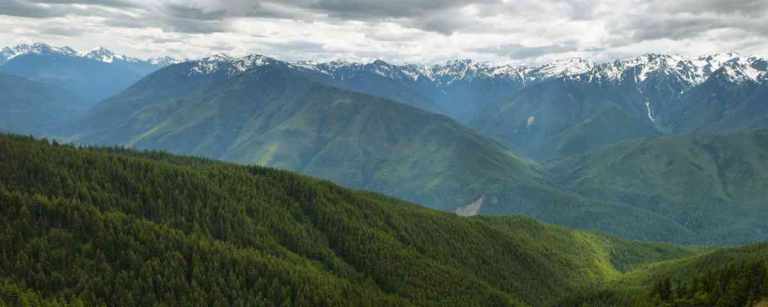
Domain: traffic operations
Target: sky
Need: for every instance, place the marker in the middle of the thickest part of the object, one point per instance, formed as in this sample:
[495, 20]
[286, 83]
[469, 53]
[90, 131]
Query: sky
[398, 31]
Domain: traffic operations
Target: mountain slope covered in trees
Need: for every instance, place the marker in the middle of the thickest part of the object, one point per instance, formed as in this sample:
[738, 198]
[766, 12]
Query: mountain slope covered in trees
[260, 111]
[112, 225]
[271, 116]
[712, 186]
[729, 277]
[30, 107]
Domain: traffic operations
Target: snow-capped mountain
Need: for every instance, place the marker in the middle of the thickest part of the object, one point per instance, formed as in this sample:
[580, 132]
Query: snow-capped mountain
[462, 88]
[107, 56]
[8, 53]
[561, 68]
[100, 54]
[231, 66]
[691, 70]
[744, 69]
[90, 75]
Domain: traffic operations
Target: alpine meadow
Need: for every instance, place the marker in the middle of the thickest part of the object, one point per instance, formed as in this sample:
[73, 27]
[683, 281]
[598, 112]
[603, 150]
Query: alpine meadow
[574, 153]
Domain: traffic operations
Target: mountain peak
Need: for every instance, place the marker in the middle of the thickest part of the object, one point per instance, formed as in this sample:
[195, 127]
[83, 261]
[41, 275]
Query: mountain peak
[100, 50]
[379, 62]
[103, 54]
[230, 65]
[35, 48]
[565, 67]
[742, 69]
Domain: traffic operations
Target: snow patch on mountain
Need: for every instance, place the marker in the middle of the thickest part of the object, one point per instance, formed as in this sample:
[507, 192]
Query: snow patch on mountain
[650, 112]
[107, 56]
[562, 68]
[230, 66]
[212, 64]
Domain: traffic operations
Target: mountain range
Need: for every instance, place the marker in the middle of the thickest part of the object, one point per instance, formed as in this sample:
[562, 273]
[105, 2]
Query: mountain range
[98, 54]
[390, 129]
[258, 110]
[542, 111]
[90, 76]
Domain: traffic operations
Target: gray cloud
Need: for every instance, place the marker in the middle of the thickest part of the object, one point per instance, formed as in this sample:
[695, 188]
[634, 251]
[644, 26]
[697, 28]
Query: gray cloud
[521, 52]
[365, 9]
[740, 7]
[25, 9]
[59, 29]
[107, 3]
[672, 27]
[304, 46]
[193, 13]
[406, 28]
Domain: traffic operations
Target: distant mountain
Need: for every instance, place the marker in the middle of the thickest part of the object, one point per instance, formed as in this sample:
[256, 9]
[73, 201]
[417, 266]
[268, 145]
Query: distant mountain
[712, 186]
[258, 110]
[92, 75]
[662, 89]
[541, 111]
[30, 107]
[462, 88]
[654, 94]
[8, 53]
[734, 97]
[544, 112]
[562, 116]
[377, 78]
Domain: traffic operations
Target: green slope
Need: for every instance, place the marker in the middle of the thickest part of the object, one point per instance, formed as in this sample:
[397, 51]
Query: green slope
[561, 117]
[30, 107]
[729, 277]
[124, 228]
[712, 186]
[719, 105]
[274, 116]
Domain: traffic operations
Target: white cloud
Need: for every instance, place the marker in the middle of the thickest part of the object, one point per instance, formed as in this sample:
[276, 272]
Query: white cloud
[393, 30]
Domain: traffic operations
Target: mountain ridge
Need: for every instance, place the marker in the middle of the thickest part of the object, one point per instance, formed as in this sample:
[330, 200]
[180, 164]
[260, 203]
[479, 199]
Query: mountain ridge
[272, 236]
[99, 53]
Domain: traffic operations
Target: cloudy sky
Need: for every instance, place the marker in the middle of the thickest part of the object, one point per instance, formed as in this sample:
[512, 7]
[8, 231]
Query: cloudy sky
[522, 31]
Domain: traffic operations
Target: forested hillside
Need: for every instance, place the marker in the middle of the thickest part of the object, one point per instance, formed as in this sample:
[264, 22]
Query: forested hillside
[713, 187]
[733, 277]
[258, 110]
[31, 107]
[123, 228]
[271, 115]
